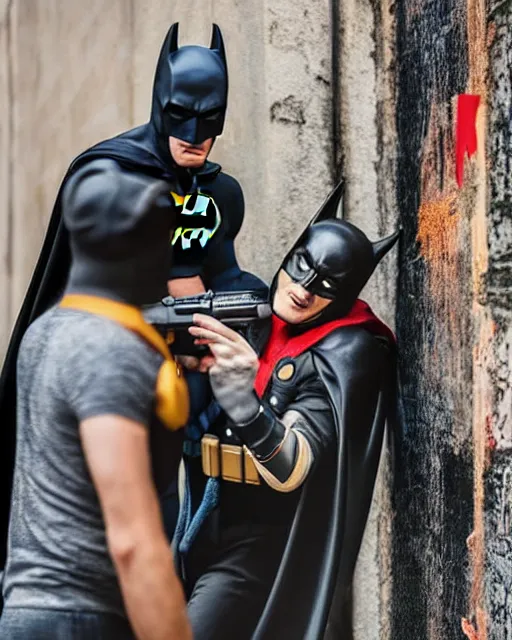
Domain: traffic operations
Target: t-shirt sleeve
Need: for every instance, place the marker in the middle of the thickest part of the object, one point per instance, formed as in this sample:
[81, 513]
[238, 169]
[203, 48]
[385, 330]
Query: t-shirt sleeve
[112, 376]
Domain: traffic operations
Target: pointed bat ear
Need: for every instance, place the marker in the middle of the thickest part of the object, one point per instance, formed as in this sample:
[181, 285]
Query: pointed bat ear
[381, 247]
[217, 42]
[172, 38]
[329, 208]
[327, 211]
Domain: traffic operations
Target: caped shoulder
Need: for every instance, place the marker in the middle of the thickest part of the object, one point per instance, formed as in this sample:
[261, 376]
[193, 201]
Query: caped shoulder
[228, 182]
[354, 345]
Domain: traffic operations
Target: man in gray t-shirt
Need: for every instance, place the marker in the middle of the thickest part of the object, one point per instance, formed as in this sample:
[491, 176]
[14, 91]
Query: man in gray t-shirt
[57, 531]
[87, 554]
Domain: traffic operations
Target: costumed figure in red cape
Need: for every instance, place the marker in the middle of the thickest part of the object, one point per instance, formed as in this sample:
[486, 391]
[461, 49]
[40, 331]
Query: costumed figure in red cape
[276, 504]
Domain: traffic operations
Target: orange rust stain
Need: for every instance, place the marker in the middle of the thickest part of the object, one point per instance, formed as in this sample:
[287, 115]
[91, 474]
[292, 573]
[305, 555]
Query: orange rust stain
[442, 238]
[491, 34]
[439, 219]
[438, 216]
[439, 237]
[435, 158]
[469, 630]
[438, 222]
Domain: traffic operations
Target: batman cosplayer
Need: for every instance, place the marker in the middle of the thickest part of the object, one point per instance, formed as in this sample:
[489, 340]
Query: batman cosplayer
[279, 498]
[188, 112]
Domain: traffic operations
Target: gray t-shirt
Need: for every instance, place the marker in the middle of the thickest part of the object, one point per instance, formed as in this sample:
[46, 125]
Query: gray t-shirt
[73, 365]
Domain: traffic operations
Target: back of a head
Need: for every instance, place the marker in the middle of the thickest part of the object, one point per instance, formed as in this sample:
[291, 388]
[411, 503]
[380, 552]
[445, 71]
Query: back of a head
[120, 224]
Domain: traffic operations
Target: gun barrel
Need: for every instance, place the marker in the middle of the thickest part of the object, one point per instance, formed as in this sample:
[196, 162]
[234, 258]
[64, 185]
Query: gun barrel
[233, 308]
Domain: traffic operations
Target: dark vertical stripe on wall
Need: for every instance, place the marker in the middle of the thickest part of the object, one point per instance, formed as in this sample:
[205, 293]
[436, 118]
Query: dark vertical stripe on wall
[433, 480]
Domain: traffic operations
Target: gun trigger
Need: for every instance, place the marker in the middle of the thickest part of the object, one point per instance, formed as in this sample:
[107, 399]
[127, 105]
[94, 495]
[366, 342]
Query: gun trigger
[170, 337]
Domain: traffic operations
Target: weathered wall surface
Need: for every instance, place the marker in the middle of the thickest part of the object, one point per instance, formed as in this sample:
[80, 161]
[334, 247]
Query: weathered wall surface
[497, 295]
[5, 167]
[451, 529]
[358, 88]
[61, 99]
[367, 148]
[76, 72]
[433, 508]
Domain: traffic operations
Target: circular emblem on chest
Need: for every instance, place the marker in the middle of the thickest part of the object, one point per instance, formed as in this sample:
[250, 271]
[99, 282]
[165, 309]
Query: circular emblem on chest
[286, 372]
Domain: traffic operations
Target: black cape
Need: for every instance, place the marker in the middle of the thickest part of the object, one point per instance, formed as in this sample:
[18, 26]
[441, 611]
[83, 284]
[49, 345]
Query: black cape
[135, 150]
[357, 369]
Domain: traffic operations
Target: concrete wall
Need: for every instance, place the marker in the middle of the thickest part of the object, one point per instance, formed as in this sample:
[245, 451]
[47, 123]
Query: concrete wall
[451, 530]
[298, 115]
[75, 73]
[358, 88]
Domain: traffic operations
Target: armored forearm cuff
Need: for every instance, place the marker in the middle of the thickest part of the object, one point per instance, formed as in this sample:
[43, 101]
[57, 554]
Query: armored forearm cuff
[263, 435]
[282, 456]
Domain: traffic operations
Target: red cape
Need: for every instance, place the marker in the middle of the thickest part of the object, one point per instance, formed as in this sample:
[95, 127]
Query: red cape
[281, 345]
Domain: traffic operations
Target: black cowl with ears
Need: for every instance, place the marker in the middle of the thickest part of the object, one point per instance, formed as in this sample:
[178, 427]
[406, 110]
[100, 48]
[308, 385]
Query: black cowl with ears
[190, 90]
[120, 225]
[333, 259]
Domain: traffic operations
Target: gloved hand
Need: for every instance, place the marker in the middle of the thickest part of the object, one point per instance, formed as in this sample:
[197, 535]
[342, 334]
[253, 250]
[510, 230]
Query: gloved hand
[232, 366]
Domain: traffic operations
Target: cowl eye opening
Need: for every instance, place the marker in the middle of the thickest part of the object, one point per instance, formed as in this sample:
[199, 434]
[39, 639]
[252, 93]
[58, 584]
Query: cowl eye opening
[177, 112]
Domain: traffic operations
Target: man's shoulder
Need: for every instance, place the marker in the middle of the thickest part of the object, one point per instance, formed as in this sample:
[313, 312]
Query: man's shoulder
[102, 331]
[354, 336]
[353, 346]
[129, 149]
[228, 181]
[85, 337]
[223, 184]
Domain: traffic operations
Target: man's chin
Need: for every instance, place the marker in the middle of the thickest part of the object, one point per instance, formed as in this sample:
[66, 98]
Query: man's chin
[289, 316]
[193, 162]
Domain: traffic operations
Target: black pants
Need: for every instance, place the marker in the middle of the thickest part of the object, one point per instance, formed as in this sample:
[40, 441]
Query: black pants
[228, 580]
[50, 624]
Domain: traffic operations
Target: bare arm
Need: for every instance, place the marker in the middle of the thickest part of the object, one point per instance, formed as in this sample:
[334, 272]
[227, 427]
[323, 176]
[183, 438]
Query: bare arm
[117, 453]
[179, 287]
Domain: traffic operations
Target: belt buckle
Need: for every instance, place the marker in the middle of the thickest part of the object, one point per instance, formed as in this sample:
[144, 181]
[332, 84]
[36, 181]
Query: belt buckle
[210, 455]
[231, 456]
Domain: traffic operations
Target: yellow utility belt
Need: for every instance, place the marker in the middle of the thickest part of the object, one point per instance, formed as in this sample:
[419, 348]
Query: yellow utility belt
[228, 461]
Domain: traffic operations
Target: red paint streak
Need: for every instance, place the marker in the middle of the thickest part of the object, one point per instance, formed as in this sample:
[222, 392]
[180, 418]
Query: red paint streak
[467, 107]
